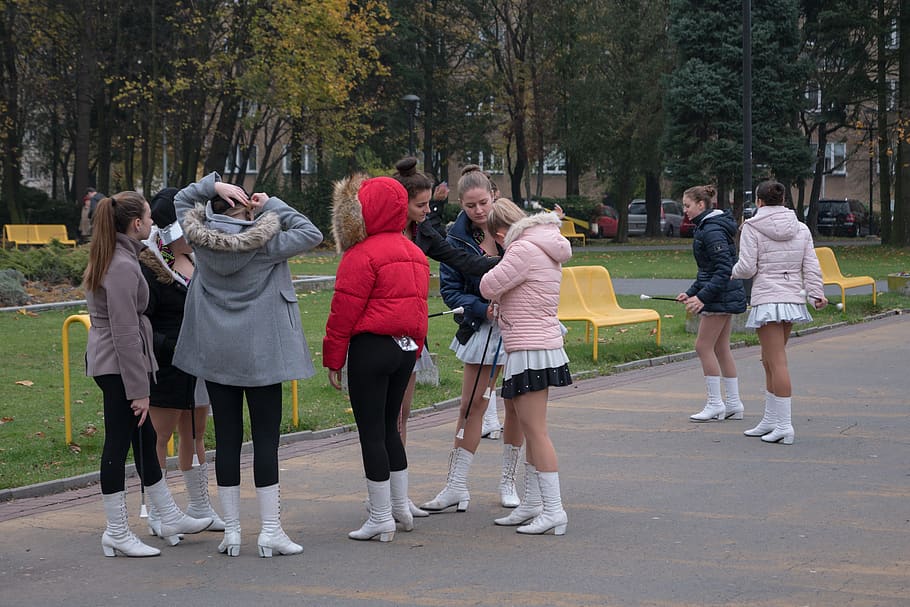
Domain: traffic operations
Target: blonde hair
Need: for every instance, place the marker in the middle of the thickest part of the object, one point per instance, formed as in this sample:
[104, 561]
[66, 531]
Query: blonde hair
[702, 193]
[503, 213]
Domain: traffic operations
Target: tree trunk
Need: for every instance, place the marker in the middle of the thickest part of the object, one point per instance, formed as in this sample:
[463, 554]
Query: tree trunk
[652, 204]
[10, 129]
[884, 158]
[812, 215]
[223, 136]
[573, 175]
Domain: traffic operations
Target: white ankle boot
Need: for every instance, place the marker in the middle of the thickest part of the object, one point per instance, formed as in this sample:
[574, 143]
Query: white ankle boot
[401, 505]
[783, 430]
[508, 495]
[197, 488]
[117, 537]
[272, 537]
[768, 420]
[530, 506]
[380, 524]
[714, 408]
[491, 428]
[455, 493]
[733, 404]
[415, 511]
[553, 518]
[173, 521]
[230, 506]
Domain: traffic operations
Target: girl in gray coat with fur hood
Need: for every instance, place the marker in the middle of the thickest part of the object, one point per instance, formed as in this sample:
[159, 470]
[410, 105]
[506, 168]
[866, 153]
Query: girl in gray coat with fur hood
[242, 334]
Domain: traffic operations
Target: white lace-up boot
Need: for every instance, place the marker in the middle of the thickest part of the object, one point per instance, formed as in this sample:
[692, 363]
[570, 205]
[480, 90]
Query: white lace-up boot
[491, 427]
[508, 495]
[553, 518]
[173, 521]
[117, 537]
[380, 525]
[230, 506]
[455, 493]
[197, 488]
[272, 537]
[531, 504]
[714, 408]
[733, 404]
[768, 420]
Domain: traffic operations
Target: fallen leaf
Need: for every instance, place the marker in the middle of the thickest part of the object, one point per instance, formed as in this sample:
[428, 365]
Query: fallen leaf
[668, 316]
[79, 402]
[653, 332]
[90, 430]
[6, 420]
[25, 382]
[39, 434]
[74, 448]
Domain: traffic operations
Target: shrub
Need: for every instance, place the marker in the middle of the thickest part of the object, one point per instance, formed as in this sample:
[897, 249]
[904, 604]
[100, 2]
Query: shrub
[12, 291]
[53, 263]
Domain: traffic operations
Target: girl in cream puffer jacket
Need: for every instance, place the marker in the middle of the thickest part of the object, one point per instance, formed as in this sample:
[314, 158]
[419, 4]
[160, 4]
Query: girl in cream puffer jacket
[776, 250]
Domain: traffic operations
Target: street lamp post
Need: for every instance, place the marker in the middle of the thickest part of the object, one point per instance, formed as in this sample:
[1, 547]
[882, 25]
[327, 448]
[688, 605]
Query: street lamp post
[412, 101]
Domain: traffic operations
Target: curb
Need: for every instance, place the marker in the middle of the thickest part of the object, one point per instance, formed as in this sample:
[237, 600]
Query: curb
[85, 480]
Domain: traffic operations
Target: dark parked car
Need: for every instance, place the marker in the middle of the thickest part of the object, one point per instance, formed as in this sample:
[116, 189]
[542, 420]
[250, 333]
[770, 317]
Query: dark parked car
[843, 217]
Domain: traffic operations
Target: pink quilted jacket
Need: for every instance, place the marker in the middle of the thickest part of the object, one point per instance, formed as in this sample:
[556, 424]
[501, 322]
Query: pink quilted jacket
[526, 284]
[777, 251]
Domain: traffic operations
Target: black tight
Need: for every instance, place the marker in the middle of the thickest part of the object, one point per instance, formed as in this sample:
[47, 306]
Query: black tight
[264, 404]
[378, 374]
[120, 426]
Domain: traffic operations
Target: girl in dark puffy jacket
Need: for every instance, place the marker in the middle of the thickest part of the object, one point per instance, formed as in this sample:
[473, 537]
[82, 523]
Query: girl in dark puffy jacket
[715, 297]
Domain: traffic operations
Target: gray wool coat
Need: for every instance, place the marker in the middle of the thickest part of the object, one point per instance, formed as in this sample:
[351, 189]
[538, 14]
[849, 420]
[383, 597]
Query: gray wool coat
[241, 323]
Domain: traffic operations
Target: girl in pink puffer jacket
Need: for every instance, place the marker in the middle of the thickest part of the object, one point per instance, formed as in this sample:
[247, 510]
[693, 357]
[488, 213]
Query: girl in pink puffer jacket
[525, 285]
[777, 251]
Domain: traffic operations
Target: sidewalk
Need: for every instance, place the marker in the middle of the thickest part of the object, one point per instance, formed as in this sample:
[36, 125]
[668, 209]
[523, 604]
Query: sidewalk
[661, 511]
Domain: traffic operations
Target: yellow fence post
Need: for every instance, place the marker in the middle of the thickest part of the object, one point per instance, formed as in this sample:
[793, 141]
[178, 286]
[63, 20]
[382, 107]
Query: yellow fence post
[295, 414]
[67, 394]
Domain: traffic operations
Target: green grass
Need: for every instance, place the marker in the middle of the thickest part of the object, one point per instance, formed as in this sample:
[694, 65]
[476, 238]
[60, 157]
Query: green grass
[32, 439]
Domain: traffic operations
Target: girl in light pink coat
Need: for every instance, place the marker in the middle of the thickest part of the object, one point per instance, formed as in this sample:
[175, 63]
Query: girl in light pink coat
[777, 251]
[525, 288]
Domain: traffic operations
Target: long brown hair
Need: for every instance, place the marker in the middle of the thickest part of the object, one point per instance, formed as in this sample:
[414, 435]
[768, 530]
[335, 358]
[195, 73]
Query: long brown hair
[112, 215]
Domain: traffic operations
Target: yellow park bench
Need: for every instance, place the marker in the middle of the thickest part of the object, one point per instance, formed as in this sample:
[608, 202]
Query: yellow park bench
[568, 230]
[831, 275]
[35, 234]
[587, 294]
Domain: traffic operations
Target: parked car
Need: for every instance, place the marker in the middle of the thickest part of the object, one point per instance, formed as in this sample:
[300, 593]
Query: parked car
[671, 216]
[686, 227]
[848, 217]
[607, 222]
[749, 209]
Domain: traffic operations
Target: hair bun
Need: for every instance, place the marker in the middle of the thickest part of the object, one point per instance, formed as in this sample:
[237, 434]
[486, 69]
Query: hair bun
[406, 166]
[711, 191]
[470, 168]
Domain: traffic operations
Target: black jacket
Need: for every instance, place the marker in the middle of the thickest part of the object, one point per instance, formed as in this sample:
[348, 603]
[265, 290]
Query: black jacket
[434, 246]
[714, 249]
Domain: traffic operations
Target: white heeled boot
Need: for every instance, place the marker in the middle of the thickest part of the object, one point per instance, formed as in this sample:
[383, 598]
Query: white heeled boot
[455, 493]
[272, 537]
[491, 427]
[508, 495]
[553, 518]
[401, 511]
[783, 430]
[197, 488]
[230, 506]
[768, 420]
[173, 520]
[714, 408]
[415, 511]
[530, 506]
[380, 524]
[733, 404]
[117, 537]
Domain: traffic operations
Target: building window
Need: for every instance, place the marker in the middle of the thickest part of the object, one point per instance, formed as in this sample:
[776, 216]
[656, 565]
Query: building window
[813, 97]
[835, 158]
[234, 160]
[555, 164]
[307, 161]
[891, 103]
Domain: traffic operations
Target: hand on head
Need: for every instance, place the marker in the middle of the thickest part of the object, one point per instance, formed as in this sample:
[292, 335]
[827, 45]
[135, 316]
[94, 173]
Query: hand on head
[233, 194]
[258, 200]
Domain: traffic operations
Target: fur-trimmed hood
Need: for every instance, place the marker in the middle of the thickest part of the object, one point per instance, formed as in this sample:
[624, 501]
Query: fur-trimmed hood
[227, 253]
[543, 230]
[364, 206]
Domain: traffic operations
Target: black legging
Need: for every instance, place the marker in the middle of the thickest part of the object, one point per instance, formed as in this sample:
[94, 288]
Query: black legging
[378, 374]
[120, 425]
[264, 403]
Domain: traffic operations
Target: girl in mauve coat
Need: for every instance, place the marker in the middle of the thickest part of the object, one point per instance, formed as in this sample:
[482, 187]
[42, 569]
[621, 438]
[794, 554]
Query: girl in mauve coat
[525, 290]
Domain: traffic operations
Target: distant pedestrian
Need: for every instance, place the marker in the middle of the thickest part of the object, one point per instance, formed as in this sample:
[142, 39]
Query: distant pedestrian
[715, 297]
[777, 252]
[119, 357]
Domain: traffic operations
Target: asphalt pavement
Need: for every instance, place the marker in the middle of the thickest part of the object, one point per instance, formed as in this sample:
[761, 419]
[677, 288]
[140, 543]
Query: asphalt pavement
[662, 512]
